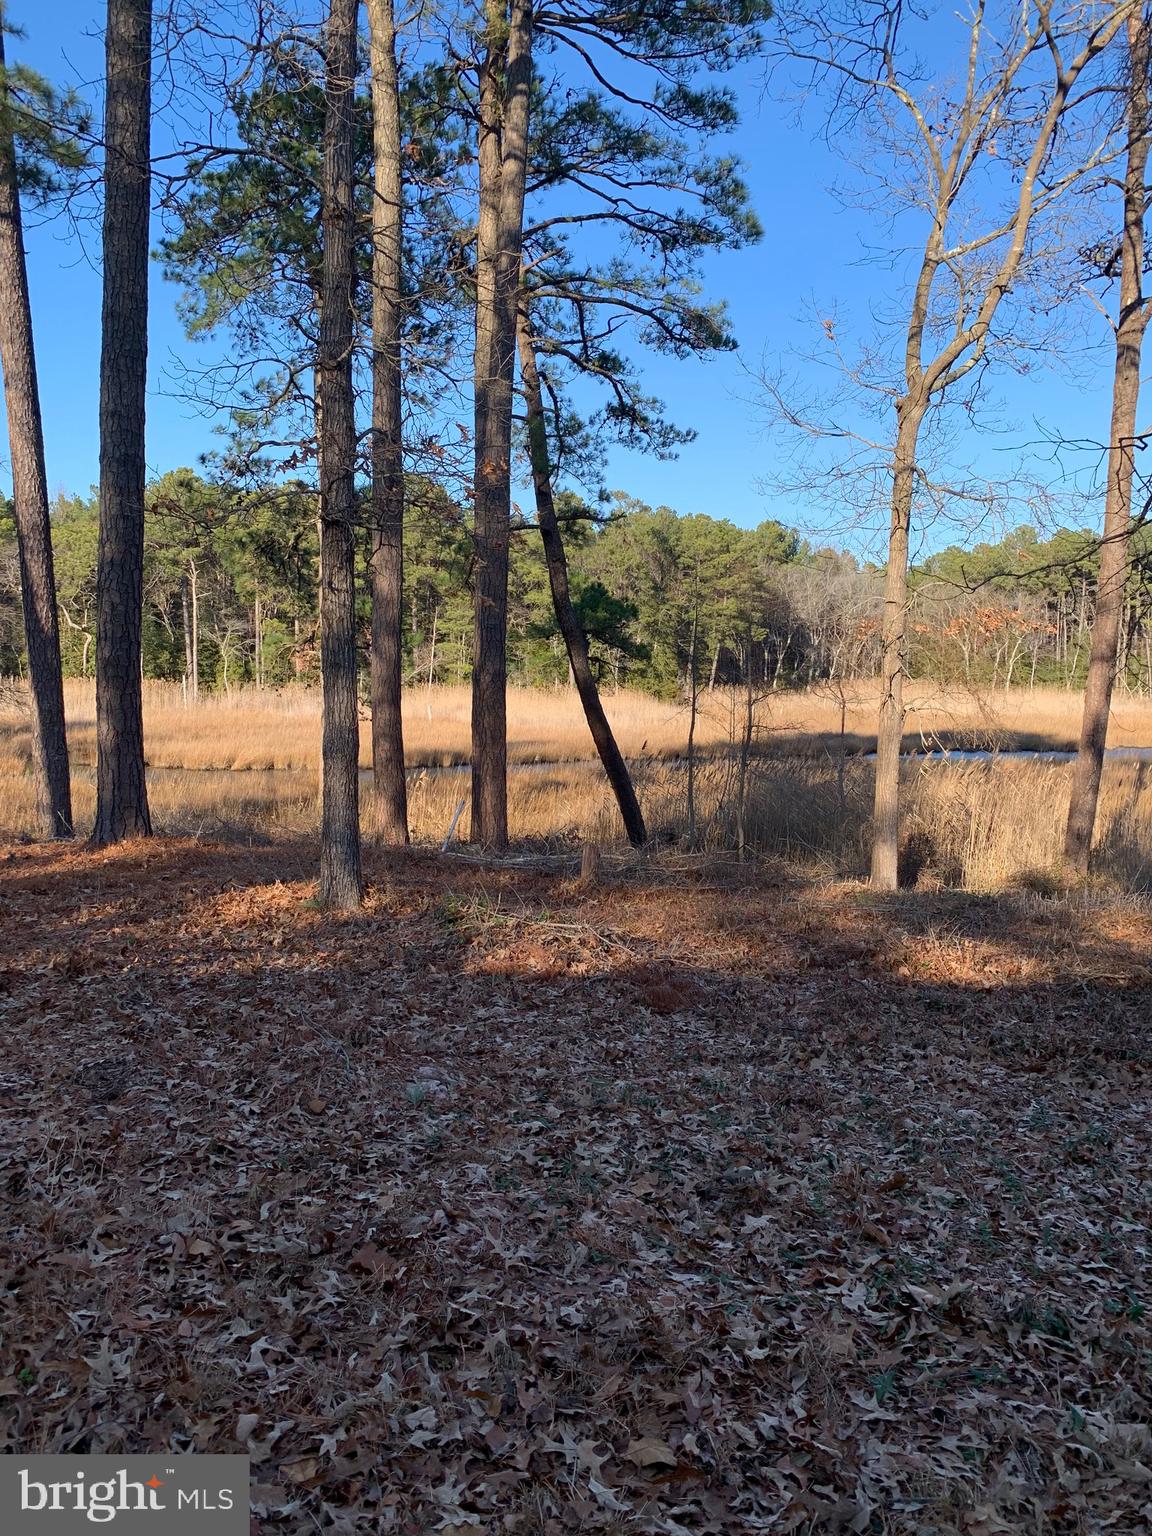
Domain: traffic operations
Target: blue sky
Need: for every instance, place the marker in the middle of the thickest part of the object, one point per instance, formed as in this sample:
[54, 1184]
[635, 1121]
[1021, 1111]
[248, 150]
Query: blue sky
[815, 256]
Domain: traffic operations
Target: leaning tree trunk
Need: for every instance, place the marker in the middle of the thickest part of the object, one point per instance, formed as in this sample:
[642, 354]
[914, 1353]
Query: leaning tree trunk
[387, 558]
[121, 789]
[30, 502]
[341, 881]
[505, 82]
[1130, 328]
[890, 727]
[575, 640]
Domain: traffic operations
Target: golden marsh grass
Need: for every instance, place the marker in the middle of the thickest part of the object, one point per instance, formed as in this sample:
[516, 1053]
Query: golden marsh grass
[980, 825]
[251, 728]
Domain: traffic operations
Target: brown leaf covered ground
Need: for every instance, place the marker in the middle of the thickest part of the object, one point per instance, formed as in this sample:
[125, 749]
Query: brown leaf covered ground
[692, 1202]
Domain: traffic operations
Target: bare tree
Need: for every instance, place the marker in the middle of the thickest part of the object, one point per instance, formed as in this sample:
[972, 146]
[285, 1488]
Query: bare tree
[121, 787]
[387, 558]
[983, 156]
[30, 489]
[341, 881]
[1130, 328]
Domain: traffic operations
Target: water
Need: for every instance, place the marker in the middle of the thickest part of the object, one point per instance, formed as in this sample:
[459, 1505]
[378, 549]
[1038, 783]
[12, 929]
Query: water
[960, 755]
[932, 755]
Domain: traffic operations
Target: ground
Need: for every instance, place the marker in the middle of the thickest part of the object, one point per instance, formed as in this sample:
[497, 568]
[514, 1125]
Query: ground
[700, 1200]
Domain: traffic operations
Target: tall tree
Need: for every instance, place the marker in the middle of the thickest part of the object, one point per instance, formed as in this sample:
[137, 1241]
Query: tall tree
[341, 880]
[667, 204]
[387, 548]
[1131, 325]
[28, 114]
[670, 41]
[575, 640]
[502, 155]
[988, 153]
[121, 787]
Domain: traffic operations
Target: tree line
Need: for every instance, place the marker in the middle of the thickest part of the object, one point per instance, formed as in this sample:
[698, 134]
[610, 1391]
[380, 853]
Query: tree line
[231, 584]
[493, 210]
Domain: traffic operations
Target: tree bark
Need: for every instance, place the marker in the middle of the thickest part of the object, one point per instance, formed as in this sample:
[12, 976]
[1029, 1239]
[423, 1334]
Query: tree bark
[121, 787]
[258, 640]
[575, 640]
[890, 728]
[505, 81]
[693, 703]
[1130, 328]
[341, 881]
[387, 558]
[746, 735]
[186, 625]
[194, 584]
[30, 502]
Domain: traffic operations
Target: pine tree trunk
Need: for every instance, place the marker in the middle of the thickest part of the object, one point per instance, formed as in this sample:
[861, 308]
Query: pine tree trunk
[890, 728]
[1133, 320]
[30, 504]
[258, 640]
[575, 640]
[121, 787]
[186, 625]
[746, 735]
[505, 81]
[194, 583]
[431, 662]
[387, 559]
[341, 881]
[693, 705]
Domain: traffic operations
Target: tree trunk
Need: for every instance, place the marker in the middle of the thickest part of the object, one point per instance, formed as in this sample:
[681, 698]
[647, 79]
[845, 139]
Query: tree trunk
[890, 728]
[693, 701]
[341, 882]
[387, 558]
[505, 80]
[258, 640]
[1133, 320]
[121, 787]
[30, 503]
[746, 734]
[186, 626]
[575, 640]
[194, 585]
[432, 662]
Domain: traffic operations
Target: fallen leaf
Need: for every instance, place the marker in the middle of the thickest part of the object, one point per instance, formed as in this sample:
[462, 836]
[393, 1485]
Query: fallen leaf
[649, 1452]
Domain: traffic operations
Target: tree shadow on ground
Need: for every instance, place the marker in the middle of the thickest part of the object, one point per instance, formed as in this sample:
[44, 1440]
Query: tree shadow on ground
[689, 1201]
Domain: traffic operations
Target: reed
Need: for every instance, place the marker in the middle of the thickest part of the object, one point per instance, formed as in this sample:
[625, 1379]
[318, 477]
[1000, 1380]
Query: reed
[252, 728]
[979, 825]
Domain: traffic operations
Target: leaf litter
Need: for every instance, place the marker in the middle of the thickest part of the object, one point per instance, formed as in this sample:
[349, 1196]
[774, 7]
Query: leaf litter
[683, 1203]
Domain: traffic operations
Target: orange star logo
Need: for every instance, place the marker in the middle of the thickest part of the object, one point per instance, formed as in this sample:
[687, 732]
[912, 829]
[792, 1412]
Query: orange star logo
[154, 1482]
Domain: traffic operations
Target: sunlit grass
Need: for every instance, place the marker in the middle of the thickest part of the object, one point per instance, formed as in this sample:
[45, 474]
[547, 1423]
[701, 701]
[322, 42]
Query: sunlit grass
[979, 825]
[253, 728]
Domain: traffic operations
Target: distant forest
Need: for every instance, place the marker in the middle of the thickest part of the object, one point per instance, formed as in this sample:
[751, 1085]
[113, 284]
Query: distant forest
[230, 597]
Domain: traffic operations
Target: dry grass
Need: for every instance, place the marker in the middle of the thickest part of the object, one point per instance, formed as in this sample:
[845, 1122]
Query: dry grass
[263, 729]
[980, 826]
